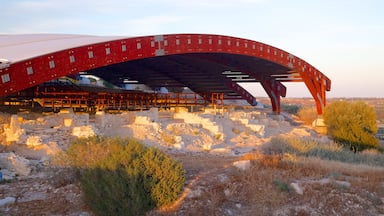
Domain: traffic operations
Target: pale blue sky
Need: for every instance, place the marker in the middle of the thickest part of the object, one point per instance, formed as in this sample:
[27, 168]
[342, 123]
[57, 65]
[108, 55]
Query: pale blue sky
[342, 38]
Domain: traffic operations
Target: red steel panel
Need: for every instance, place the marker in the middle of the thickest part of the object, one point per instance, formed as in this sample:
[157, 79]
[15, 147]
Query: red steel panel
[76, 59]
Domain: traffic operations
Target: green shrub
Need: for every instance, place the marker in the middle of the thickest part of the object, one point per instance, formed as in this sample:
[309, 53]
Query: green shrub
[281, 185]
[352, 124]
[123, 177]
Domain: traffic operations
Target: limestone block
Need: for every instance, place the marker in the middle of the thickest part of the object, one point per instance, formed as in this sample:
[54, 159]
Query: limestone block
[66, 111]
[7, 201]
[178, 139]
[154, 114]
[100, 119]
[242, 165]
[320, 126]
[227, 192]
[297, 188]
[179, 144]
[33, 141]
[15, 163]
[142, 120]
[83, 131]
[65, 116]
[207, 146]
[259, 129]
[14, 131]
[244, 121]
[68, 122]
[206, 123]
[20, 119]
[319, 122]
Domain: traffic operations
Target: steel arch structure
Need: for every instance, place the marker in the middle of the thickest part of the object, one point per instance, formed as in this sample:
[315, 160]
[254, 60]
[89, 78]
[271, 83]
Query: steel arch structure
[202, 62]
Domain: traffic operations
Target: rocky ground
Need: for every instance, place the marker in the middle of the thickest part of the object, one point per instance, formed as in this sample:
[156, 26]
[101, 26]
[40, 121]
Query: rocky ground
[215, 148]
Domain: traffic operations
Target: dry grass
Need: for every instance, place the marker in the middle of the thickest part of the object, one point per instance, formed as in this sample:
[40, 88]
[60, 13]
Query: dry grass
[265, 188]
[307, 115]
[264, 185]
[361, 176]
[327, 151]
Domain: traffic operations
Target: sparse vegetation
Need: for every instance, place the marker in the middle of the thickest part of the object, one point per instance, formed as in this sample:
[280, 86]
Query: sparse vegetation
[267, 184]
[352, 124]
[123, 177]
[281, 185]
[329, 151]
[380, 115]
[290, 108]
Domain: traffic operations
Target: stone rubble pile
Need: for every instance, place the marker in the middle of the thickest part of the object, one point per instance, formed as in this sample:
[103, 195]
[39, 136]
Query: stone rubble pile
[255, 121]
[29, 143]
[206, 123]
[206, 131]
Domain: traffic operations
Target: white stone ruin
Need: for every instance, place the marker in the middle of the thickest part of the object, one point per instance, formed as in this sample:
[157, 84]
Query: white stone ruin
[13, 132]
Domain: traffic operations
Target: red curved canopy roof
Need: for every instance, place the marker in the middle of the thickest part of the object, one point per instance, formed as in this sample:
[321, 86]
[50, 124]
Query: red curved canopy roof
[205, 63]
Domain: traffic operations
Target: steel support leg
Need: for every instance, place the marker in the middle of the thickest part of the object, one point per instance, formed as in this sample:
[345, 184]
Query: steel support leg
[241, 91]
[275, 90]
[317, 90]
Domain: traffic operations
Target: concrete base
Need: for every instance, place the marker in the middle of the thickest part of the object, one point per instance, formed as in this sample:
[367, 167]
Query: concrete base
[319, 125]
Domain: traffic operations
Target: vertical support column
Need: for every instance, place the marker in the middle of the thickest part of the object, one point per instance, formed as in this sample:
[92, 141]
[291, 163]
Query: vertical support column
[275, 90]
[317, 90]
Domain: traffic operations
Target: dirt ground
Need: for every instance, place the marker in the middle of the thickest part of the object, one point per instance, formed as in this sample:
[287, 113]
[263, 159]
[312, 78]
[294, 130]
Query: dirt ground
[209, 177]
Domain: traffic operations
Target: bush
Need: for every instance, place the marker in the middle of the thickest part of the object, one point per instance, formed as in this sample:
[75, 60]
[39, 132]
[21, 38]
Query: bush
[123, 177]
[352, 124]
[281, 185]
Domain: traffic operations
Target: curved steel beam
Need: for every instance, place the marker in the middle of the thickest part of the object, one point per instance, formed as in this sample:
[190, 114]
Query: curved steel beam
[52, 64]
